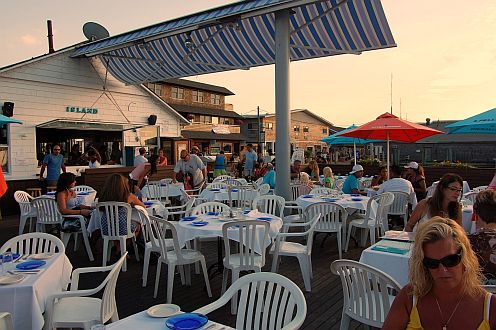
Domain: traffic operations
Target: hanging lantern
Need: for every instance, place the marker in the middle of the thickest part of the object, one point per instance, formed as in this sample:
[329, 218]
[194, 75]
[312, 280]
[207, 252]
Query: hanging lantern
[190, 117]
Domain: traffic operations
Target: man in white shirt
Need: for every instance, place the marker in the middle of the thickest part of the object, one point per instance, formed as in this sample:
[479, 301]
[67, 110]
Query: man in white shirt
[396, 183]
[190, 164]
[140, 158]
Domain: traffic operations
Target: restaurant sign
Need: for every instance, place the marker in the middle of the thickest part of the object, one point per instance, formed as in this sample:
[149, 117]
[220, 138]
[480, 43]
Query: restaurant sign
[92, 111]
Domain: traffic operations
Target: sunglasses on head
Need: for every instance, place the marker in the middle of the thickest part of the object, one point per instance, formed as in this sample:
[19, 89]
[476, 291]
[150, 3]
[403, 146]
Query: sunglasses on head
[448, 261]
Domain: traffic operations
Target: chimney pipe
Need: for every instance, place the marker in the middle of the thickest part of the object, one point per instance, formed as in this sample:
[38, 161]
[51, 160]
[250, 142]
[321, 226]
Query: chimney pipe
[50, 37]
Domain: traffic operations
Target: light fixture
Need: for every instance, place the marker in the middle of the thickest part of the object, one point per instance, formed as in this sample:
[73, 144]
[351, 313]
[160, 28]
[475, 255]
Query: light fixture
[188, 43]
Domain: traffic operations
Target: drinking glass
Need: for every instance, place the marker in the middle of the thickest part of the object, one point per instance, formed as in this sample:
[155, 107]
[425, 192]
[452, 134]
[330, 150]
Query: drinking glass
[7, 261]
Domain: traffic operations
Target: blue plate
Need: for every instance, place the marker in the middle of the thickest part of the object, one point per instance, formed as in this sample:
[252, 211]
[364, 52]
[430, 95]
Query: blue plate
[186, 321]
[234, 190]
[329, 199]
[83, 193]
[355, 195]
[31, 264]
[51, 193]
[214, 189]
[14, 256]
[356, 199]
[265, 218]
[191, 218]
[199, 223]
[246, 211]
[148, 203]
[307, 196]
[212, 213]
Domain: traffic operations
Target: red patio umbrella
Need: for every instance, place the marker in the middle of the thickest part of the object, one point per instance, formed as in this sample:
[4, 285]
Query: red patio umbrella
[389, 127]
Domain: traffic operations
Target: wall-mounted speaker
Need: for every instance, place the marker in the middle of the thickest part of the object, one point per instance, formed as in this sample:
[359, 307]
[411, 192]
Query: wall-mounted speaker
[8, 109]
[152, 120]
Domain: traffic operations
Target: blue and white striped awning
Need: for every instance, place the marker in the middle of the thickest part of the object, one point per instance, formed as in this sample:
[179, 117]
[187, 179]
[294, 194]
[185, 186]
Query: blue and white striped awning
[239, 36]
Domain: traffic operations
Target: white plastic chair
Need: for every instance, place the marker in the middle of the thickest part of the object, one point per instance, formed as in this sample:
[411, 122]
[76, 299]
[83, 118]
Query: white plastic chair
[48, 214]
[6, 321]
[115, 225]
[174, 257]
[298, 190]
[400, 205]
[256, 309]
[181, 210]
[490, 288]
[210, 207]
[338, 184]
[374, 217]
[84, 188]
[217, 185]
[301, 251]
[430, 190]
[332, 220]
[470, 196]
[367, 291]
[151, 243]
[270, 204]
[246, 258]
[232, 182]
[27, 209]
[263, 189]
[257, 182]
[33, 243]
[76, 309]
[156, 191]
[479, 188]
[222, 178]
[321, 191]
[242, 196]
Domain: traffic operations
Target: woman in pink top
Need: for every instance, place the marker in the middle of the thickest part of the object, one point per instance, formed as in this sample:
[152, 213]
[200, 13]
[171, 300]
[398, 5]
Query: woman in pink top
[142, 170]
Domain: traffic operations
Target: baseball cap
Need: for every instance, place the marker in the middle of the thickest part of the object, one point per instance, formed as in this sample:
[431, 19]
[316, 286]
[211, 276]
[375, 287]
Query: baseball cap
[356, 168]
[413, 165]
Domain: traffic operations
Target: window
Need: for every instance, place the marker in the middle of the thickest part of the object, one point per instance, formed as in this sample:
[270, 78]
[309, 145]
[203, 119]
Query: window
[269, 125]
[227, 147]
[215, 98]
[156, 88]
[324, 130]
[205, 119]
[296, 128]
[177, 93]
[305, 129]
[253, 126]
[198, 96]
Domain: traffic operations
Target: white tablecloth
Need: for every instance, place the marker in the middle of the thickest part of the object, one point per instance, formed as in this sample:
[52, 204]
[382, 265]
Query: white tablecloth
[26, 300]
[345, 201]
[141, 320]
[170, 190]
[219, 195]
[186, 231]
[395, 265]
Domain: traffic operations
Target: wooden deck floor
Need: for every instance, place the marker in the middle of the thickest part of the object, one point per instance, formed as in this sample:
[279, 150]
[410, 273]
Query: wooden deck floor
[324, 302]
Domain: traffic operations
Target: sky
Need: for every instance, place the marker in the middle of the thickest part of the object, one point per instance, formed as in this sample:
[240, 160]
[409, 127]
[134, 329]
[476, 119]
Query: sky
[443, 68]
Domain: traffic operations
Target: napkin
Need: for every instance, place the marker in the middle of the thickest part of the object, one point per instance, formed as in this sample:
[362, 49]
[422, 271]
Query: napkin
[254, 214]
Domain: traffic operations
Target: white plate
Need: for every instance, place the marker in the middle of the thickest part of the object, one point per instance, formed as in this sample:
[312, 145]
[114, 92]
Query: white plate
[11, 278]
[41, 256]
[163, 310]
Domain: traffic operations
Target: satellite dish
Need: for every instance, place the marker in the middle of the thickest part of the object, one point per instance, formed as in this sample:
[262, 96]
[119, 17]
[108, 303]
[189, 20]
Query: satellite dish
[94, 31]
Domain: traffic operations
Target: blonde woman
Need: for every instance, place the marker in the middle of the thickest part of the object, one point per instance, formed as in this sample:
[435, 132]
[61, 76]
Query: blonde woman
[328, 178]
[305, 179]
[314, 170]
[444, 290]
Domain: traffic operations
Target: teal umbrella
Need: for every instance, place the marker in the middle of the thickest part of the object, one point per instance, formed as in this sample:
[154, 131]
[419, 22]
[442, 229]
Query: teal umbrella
[337, 139]
[7, 120]
[483, 123]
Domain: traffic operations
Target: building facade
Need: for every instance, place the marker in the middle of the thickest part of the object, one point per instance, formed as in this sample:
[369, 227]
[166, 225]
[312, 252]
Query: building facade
[306, 131]
[213, 124]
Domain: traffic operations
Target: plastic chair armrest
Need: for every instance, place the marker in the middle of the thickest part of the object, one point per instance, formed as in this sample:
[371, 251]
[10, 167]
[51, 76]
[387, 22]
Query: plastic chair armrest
[78, 271]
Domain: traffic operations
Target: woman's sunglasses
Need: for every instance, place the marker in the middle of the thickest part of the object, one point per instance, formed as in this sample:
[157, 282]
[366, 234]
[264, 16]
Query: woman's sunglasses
[448, 261]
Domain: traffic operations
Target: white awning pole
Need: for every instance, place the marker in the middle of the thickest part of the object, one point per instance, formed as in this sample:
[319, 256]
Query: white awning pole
[354, 151]
[283, 116]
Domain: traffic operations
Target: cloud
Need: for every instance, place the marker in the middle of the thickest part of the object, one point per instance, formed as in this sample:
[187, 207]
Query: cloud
[30, 40]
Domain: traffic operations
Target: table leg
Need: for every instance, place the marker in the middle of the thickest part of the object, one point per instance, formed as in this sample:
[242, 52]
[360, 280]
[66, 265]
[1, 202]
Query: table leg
[218, 267]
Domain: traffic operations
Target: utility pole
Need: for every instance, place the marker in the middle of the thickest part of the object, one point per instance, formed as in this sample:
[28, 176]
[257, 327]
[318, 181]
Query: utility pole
[258, 129]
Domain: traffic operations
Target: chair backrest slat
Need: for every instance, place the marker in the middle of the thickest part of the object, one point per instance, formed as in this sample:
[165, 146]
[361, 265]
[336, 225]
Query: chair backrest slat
[33, 243]
[115, 219]
[367, 291]
[48, 213]
[270, 204]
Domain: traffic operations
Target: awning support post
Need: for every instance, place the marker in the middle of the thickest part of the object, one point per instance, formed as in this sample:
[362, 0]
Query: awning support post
[283, 116]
